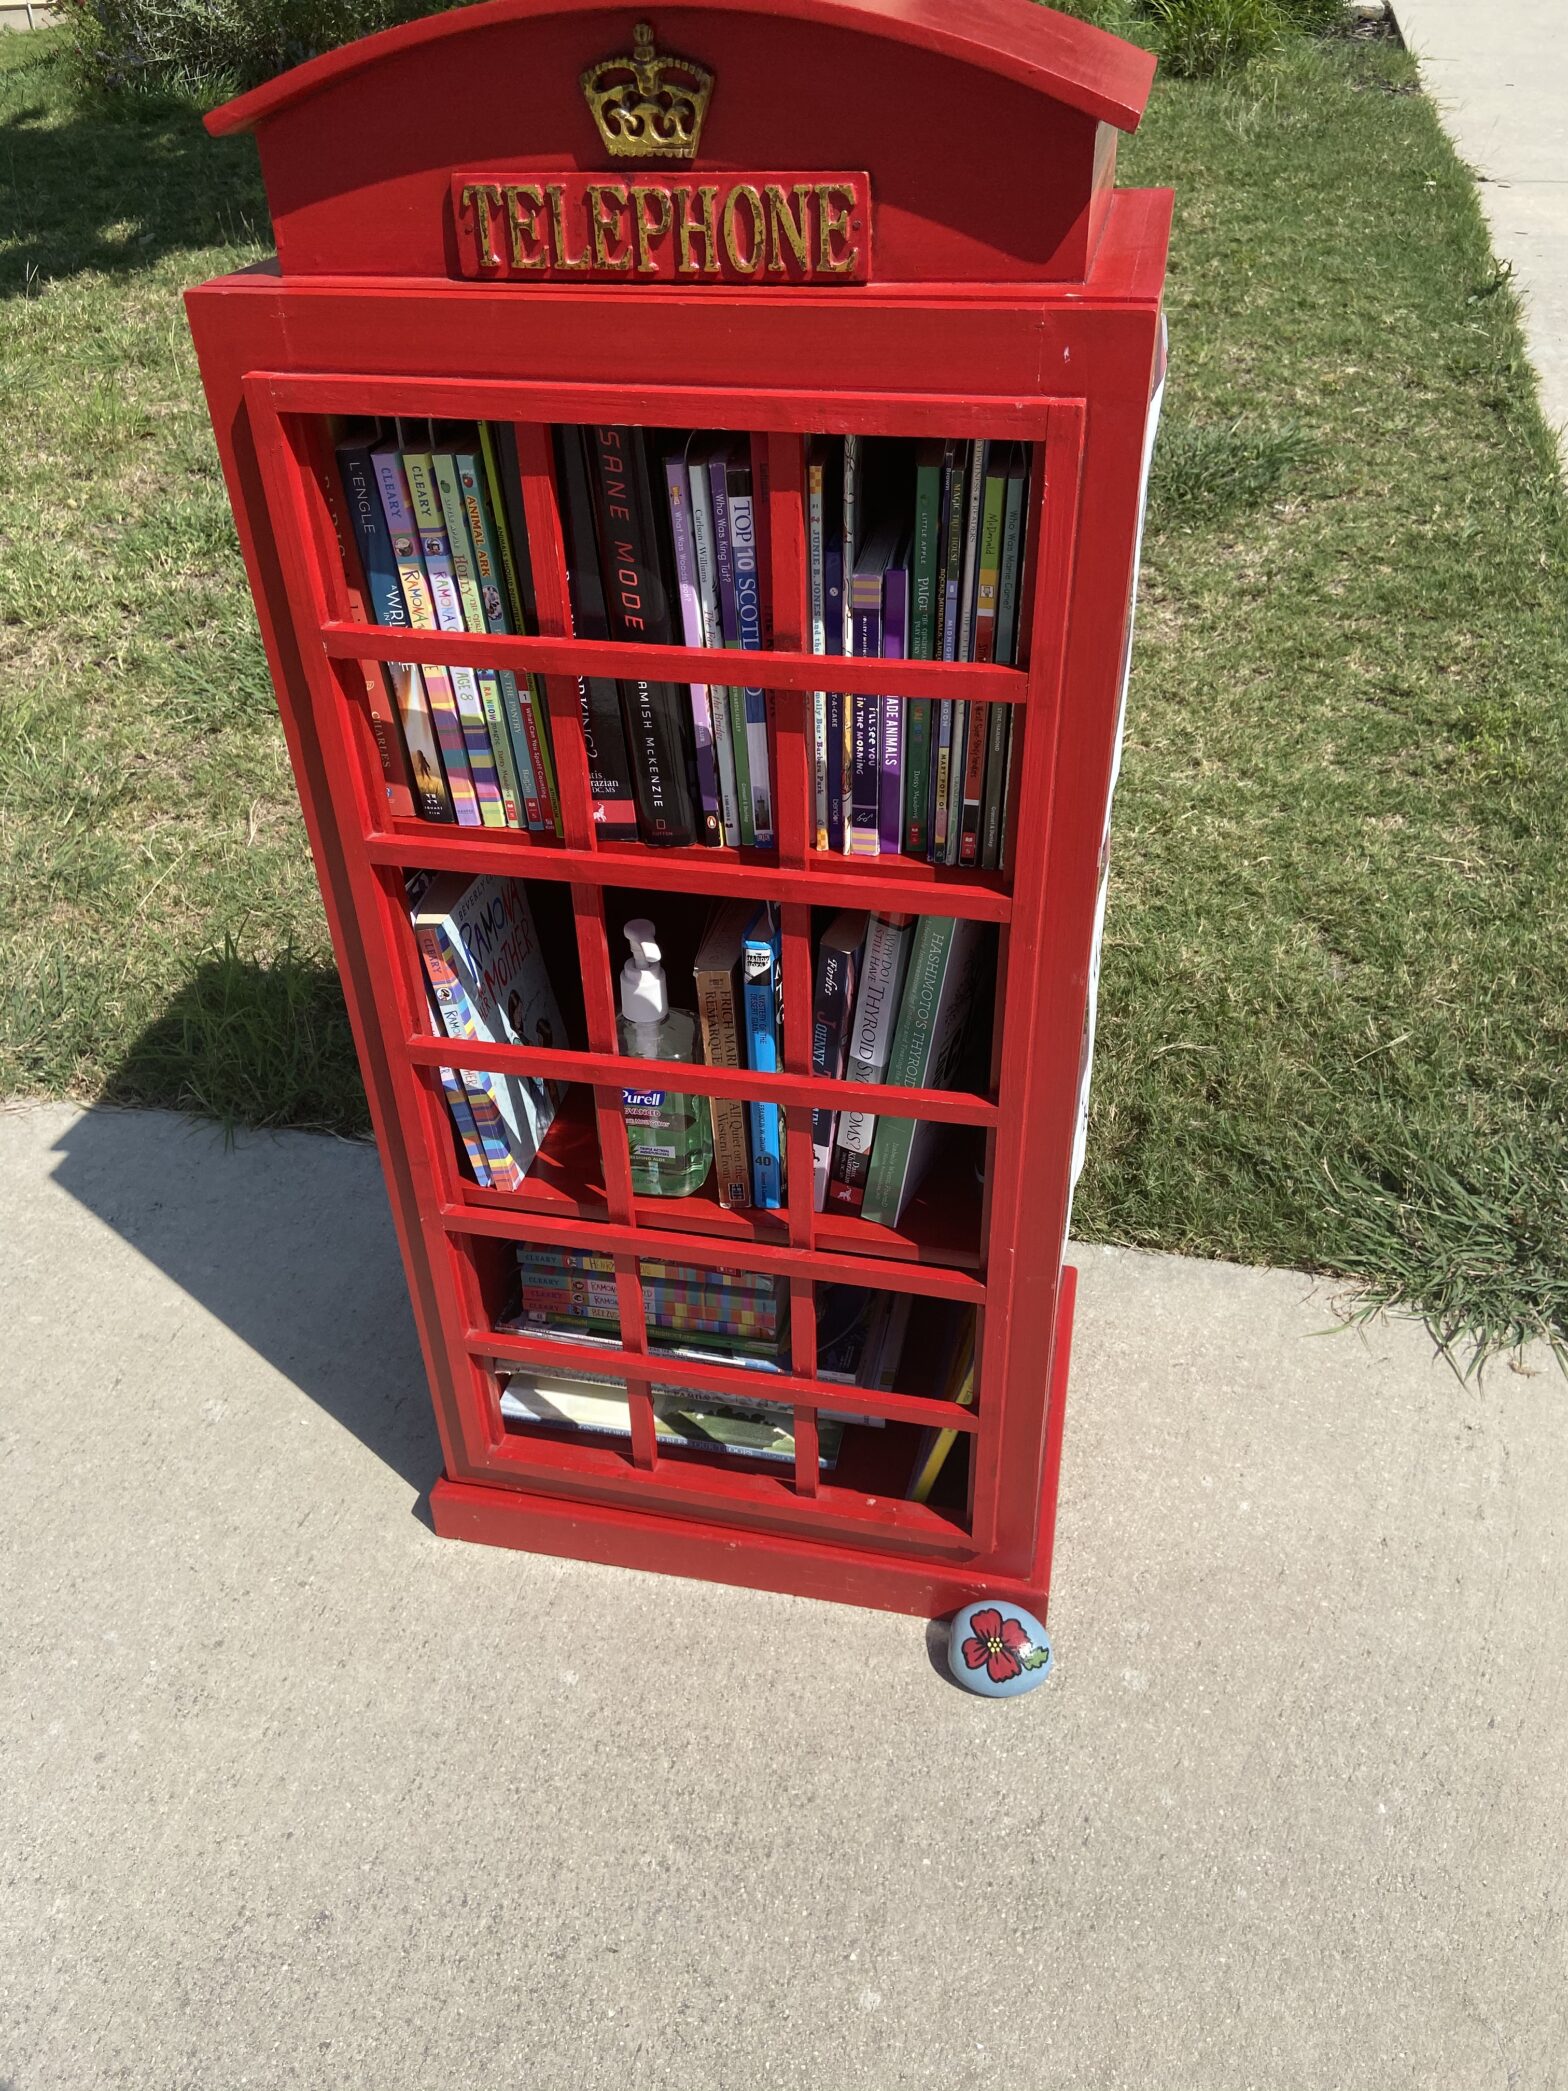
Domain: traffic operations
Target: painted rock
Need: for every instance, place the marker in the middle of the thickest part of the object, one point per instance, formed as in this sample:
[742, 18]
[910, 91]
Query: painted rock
[998, 1650]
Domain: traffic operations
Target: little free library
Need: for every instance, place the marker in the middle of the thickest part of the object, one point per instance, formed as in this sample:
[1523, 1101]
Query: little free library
[690, 473]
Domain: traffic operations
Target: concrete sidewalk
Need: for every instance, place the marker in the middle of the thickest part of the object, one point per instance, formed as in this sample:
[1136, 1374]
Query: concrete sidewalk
[294, 1794]
[1499, 75]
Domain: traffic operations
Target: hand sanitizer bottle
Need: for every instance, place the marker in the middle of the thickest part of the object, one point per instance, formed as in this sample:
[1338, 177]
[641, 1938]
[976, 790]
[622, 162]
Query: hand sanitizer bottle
[670, 1136]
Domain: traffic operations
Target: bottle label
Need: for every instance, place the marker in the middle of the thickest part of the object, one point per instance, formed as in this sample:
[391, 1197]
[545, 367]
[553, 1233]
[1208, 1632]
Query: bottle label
[641, 1104]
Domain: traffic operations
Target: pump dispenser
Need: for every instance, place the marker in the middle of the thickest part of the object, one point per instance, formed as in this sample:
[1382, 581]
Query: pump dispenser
[670, 1137]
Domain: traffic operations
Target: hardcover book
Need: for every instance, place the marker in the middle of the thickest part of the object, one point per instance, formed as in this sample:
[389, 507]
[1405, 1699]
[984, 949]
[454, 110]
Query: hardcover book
[832, 1008]
[762, 978]
[882, 968]
[714, 460]
[704, 552]
[604, 734]
[716, 976]
[677, 487]
[939, 993]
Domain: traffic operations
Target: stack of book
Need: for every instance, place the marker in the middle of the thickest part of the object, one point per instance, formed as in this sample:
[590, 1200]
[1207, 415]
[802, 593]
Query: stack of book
[913, 551]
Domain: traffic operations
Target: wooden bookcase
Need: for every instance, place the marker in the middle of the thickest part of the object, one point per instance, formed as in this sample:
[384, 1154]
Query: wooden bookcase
[1002, 288]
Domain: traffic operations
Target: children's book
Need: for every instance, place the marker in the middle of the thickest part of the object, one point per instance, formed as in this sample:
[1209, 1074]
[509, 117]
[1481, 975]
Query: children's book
[833, 1006]
[882, 969]
[716, 976]
[677, 487]
[419, 613]
[441, 576]
[939, 992]
[762, 976]
[481, 954]
[465, 571]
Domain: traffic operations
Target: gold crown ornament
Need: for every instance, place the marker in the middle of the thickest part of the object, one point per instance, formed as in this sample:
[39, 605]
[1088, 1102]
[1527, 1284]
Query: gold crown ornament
[647, 106]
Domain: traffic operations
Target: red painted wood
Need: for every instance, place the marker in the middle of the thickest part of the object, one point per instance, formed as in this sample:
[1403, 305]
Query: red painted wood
[1014, 295]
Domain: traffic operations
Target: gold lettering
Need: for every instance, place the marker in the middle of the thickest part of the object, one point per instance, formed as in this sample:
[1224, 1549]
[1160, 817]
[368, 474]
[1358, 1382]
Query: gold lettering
[796, 230]
[524, 202]
[706, 229]
[759, 229]
[563, 260]
[482, 198]
[607, 225]
[832, 225]
[649, 225]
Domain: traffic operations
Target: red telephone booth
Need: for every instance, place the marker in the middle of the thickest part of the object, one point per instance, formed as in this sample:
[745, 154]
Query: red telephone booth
[814, 218]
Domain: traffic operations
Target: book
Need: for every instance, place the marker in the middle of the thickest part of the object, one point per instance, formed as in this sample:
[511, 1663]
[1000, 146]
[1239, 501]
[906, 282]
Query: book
[682, 1418]
[832, 1008]
[419, 614]
[705, 554]
[598, 698]
[454, 513]
[341, 488]
[817, 597]
[442, 580]
[924, 581]
[763, 999]
[833, 574]
[383, 599]
[960, 1387]
[714, 458]
[866, 714]
[677, 487]
[749, 619]
[939, 992]
[481, 955]
[998, 759]
[637, 603]
[519, 699]
[895, 641]
[716, 977]
[498, 453]
[983, 648]
[955, 476]
[974, 502]
[881, 984]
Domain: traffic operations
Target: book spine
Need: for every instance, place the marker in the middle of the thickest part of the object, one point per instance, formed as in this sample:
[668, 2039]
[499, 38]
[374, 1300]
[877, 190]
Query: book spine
[715, 987]
[454, 513]
[760, 972]
[392, 485]
[908, 1063]
[515, 605]
[449, 618]
[638, 608]
[462, 1116]
[713, 635]
[983, 648]
[999, 758]
[952, 571]
[748, 618]
[959, 767]
[515, 701]
[677, 486]
[348, 492]
[614, 807]
[831, 1014]
[729, 625]
[890, 793]
[816, 561]
[385, 597]
[870, 1041]
[923, 578]
[458, 1021]
[836, 712]
[864, 836]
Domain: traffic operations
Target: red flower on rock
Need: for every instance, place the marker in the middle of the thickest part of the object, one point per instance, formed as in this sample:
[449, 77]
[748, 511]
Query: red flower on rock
[998, 1643]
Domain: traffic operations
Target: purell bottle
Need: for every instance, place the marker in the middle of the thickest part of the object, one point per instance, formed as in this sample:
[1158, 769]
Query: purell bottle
[670, 1136]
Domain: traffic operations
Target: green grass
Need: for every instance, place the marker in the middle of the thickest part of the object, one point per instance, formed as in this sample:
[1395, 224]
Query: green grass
[1335, 1005]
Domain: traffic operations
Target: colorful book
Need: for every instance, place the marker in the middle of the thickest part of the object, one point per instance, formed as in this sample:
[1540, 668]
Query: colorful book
[419, 614]
[518, 698]
[716, 976]
[677, 487]
[881, 984]
[940, 989]
[748, 619]
[465, 570]
[498, 453]
[832, 1008]
[714, 458]
[599, 701]
[436, 552]
[372, 541]
[481, 954]
[895, 643]
[637, 602]
[347, 486]
[705, 554]
[763, 997]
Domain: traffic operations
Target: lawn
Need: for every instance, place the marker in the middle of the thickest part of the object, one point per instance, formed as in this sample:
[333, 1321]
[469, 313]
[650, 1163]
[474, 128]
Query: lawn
[1335, 1002]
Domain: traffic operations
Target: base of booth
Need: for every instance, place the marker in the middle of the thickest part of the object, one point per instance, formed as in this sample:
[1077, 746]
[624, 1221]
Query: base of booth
[621, 1537]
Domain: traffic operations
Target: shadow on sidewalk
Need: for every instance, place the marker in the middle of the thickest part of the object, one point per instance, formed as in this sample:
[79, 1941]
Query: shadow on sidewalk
[284, 1237]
